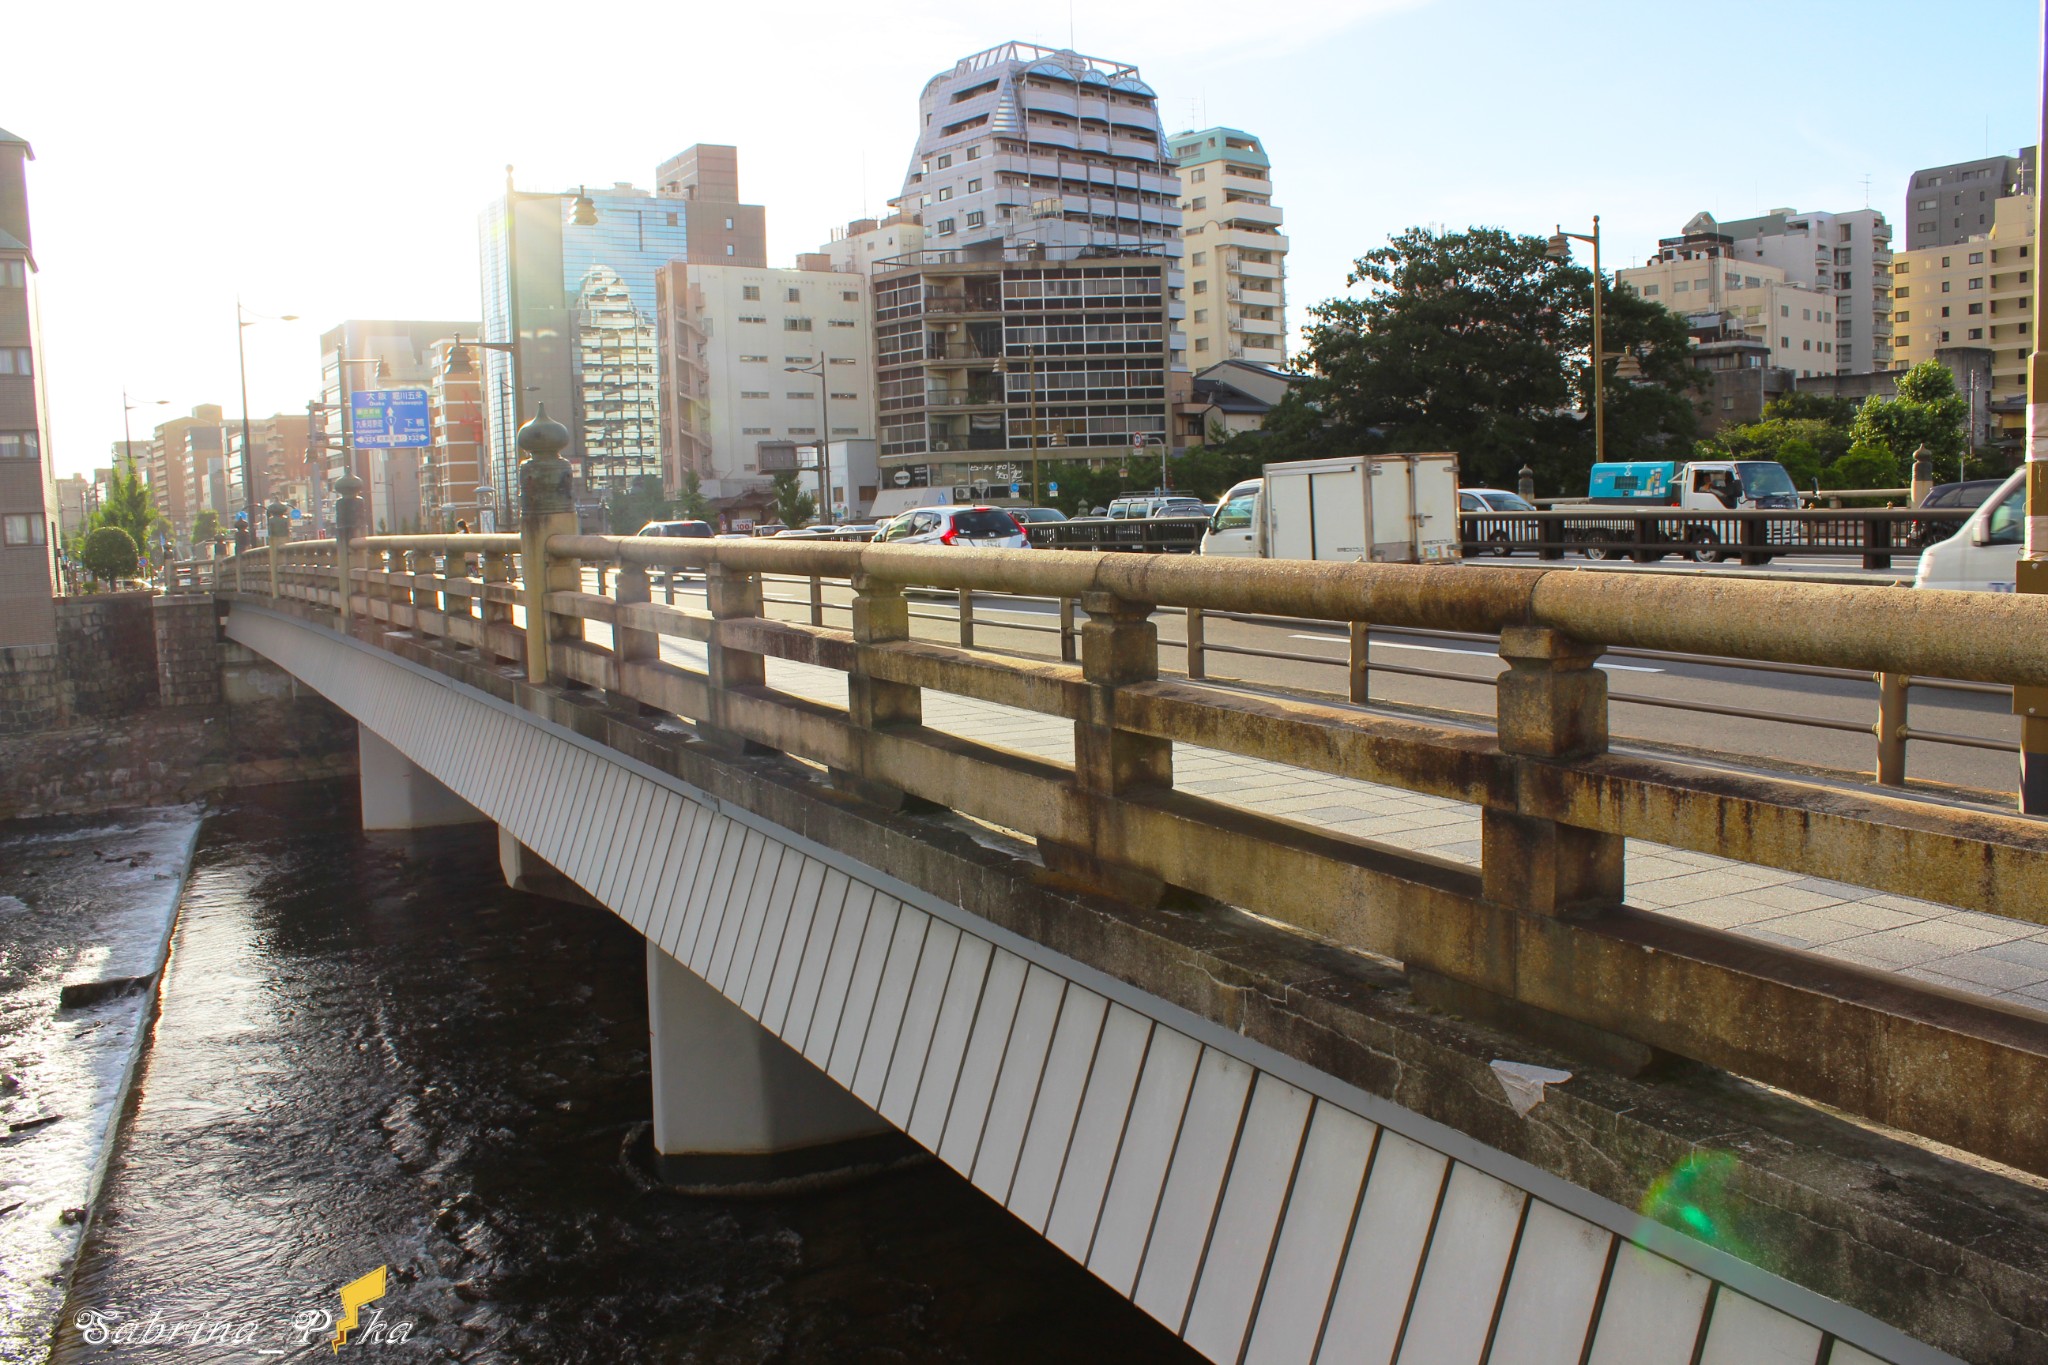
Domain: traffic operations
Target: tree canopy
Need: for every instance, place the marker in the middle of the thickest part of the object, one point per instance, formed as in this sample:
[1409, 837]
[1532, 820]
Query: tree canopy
[639, 502]
[127, 504]
[109, 554]
[793, 506]
[1927, 411]
[1478, 342]
[690, 499]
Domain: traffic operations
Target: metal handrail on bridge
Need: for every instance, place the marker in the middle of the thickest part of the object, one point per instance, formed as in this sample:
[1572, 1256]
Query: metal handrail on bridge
[1541, 926]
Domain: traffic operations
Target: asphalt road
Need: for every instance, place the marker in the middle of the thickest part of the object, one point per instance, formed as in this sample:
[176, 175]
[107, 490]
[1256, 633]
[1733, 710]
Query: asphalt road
[1800, 720]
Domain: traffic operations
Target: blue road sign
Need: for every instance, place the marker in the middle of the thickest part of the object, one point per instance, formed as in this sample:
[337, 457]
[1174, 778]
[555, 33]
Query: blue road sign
[389, 419]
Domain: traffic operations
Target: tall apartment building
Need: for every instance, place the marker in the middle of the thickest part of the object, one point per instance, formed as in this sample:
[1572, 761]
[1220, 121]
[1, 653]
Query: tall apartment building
[1846, 254]
[455, 465]
[1976, 295]
[364, 354]
[182, 454]
[1948, 205]
[1041, 319]
[1236, 255]
[1700, 274]
[277, 463]
[556, 266]
[28, 495]
[736, 406]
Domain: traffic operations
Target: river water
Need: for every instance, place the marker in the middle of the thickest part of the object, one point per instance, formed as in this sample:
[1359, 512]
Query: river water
[370, 1053]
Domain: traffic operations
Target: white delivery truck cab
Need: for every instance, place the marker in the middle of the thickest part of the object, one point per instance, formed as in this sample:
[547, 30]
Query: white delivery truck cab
[1983, 555]
[1382, 509]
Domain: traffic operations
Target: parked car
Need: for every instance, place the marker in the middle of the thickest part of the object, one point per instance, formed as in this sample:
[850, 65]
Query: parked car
[980, 528]
[1970, 493]
[769, 528]
[1029, 515]
[1138, 506]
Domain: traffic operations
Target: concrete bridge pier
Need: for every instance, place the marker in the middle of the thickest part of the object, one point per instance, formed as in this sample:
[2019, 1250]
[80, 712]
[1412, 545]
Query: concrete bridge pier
[734, 1105]
[398, 794]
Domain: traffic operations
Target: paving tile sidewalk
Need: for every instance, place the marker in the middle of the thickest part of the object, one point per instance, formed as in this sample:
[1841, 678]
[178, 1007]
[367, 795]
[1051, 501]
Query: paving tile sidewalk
[1959, 949]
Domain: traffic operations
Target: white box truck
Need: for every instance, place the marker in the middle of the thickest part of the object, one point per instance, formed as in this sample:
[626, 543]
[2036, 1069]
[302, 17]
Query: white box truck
[1382, 509]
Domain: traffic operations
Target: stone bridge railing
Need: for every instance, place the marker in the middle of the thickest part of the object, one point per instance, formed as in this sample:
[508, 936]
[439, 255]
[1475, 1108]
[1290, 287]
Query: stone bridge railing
[1539, 934]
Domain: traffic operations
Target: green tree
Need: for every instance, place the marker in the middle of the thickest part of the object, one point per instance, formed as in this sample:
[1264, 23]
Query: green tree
[127, 504]
[205, 526]
[690, 500]
[1804, 405]
[1927, 411]
[793, 506]
[110, 554]
[1477, 342]
[1867, 465]
[639, 502]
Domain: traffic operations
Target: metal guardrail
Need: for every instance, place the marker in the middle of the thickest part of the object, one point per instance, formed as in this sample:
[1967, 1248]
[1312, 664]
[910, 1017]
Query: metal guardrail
[1608, 532]
[1147, 535]
[1541, 924]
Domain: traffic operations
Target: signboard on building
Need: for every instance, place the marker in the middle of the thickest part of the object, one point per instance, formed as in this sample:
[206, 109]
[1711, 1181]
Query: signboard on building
[389, 419]
[776, 457]
[911, 476]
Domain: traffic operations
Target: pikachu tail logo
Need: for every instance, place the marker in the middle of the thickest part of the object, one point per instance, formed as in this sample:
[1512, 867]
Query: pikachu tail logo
[354, 1295]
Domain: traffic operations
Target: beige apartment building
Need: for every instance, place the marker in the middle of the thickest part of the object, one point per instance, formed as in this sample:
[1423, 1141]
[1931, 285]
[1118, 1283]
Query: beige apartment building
[736, 341]
[1698, 274]
[1235, 254]
[1974, 294]
[183, 455]
[28, 495]
[856, 248]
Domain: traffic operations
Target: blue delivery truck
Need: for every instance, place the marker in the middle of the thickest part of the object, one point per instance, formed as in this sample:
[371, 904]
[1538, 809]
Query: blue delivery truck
[1690, 486]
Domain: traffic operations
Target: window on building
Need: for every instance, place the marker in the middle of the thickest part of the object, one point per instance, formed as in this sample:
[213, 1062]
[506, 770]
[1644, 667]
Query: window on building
[1903, 268]
[1945, 285]
[19, 445]
[1805, 315]
[15, 360]
[728, 225]
[731, 250]
[1902, 293]
[1976, 334]
[1784, 310]
[753, 393]
[1806, 345]
[843, 322]
[793, 295]
[796, 360]
[842, 397]
[750, 291]
[974, 153]
[1944, 337]
[1944, 310]
[945, 193]
[1902, 317]
[1649, 291]
[944, 227]
[13, 274]
[1201, 344]
[1976, 282]
[749, 360]
[1976, 308]
[1751, 282]
[1945, 261]
[796, 393]
[21, 529]
[974, 185]
[744, 431]
[976, 218]
[794, 431]
[1201, 287]
[1199, 203]
[753, 317]
[843, 360]
[1677, 287]
[1976, 258]
[1201, 315]
[849, 295]
[672, 220]
[945, 161]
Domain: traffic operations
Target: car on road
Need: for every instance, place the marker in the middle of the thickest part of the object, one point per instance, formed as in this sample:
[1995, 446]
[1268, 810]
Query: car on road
[689, 530]
[1969, 493]
[1139, 506]
[1983, 555]
[1029, 516]
[1500, 537]
[979, 528]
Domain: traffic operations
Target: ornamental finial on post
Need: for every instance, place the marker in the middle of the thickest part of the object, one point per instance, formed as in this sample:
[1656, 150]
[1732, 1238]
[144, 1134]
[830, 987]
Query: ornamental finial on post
[544, 474]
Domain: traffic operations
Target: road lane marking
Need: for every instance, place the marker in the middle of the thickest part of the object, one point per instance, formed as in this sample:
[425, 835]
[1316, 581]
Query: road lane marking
[1474, 653]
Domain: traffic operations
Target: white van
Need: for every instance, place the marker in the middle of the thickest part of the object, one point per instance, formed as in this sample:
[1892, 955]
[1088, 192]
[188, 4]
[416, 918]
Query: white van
[1381, 509]
[1983, 554]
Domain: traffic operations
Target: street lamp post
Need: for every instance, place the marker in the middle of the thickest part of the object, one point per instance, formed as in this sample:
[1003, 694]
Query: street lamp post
[824, 423]
[1560, 249]
[243, 321]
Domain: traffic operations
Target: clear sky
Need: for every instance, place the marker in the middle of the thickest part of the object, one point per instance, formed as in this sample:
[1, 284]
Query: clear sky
[330, 160]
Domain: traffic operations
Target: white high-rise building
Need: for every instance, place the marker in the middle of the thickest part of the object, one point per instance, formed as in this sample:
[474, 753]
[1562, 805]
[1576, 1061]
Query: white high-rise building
[736, 342]
[855, 248]
[1040, 323]
[1026, 144]
[1848, 255]
[1235, 256]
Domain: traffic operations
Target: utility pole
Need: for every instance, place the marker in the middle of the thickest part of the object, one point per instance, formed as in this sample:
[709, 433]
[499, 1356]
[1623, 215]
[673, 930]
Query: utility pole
[2031, 573]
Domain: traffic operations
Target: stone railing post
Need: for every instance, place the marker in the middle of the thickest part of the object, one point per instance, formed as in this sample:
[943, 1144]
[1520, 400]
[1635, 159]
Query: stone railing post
[550, 511]
[1359, 669]
[497, 573]
[279, 518]
[426, 598]
[1552, 703]
[631, 644]
[348, 525]
[1119, 646]
[881, 614]
[730, 595]
[1891, 727]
